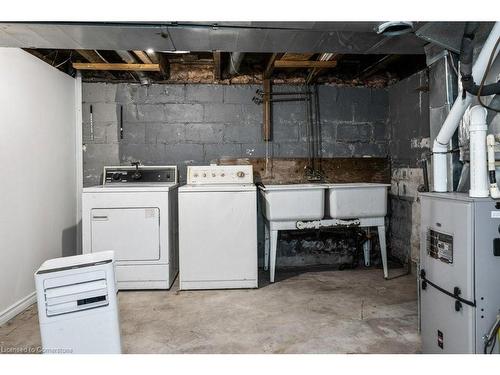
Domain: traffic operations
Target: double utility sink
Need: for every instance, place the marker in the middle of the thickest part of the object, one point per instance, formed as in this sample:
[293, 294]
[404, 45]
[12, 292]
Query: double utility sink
[316, 201]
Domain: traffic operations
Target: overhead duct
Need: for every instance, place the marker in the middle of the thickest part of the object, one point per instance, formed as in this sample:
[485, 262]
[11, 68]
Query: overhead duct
[466, 54]
[440, 147]
[235, 60]
[259, 37]
[129, 59]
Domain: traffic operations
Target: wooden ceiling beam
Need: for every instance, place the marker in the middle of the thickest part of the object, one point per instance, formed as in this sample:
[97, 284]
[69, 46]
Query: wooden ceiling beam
[297, 56]
[143, 56]
[217, 65]
[38, 54]
[378, 65]
[153, 56]
[280, 64]
[91, 56]
[164, 64]
[313, 73]
[120, 67]
[270, 65]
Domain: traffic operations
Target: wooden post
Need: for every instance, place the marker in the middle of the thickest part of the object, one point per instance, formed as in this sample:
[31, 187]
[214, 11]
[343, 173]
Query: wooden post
[266, 108]
[164, 65]
[270, 65]
[217, 65]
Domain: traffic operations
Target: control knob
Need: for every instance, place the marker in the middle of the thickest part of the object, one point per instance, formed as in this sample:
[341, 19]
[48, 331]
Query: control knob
[136, 175]
[240, 174]
[116, 176]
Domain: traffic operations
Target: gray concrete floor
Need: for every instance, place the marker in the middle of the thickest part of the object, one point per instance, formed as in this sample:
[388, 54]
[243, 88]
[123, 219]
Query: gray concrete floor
[354, 311]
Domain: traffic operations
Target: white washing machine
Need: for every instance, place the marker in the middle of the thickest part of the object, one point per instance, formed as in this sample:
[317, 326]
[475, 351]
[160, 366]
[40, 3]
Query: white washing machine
[218, 228]
[134, 213]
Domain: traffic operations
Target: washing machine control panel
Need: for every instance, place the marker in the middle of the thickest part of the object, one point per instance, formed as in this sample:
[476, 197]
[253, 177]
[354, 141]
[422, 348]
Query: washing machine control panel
[220, 174]
[140, 174]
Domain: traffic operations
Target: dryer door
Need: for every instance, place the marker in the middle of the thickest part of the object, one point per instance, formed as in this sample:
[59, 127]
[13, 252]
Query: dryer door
[132, 233]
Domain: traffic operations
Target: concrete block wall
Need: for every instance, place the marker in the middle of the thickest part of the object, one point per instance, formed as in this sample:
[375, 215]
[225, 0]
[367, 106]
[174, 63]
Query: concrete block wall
[409, 142]
[195, 124]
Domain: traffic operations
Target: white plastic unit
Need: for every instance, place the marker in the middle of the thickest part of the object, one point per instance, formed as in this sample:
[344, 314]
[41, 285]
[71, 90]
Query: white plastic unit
[218, 231]
[357, 200]
[138, 221]
[293, 202]
[77, 305]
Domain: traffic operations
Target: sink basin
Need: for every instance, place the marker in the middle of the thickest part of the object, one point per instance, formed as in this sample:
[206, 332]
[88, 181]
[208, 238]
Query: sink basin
[293, 202]
[356, 200]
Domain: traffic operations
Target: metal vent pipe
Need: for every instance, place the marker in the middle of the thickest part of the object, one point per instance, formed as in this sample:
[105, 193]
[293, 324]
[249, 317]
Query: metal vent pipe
[235, 60]
[129, 59]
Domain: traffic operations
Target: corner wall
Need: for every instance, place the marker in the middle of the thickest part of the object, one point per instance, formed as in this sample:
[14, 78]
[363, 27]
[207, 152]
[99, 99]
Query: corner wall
[409, 142]
[37, 193]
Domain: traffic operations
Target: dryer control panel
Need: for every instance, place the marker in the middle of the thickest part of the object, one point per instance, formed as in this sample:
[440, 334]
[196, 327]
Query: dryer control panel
[220, 174]
[140, 174]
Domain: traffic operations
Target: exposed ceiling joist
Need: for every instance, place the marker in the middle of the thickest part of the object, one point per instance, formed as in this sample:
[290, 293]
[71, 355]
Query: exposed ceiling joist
[143, 57]
[91, 56]
[313, 74]
[118, 66]
[164, 64]
[297, 56]
[270, 65]
[304, 64]
[130, 59]
[153, 56]
[378, 65]
[217, 65]
[157, 58]
[38, 54]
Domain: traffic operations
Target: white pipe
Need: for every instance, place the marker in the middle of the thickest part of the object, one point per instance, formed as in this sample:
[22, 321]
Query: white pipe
[442, 140]
[478, 169]
[494, 192]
